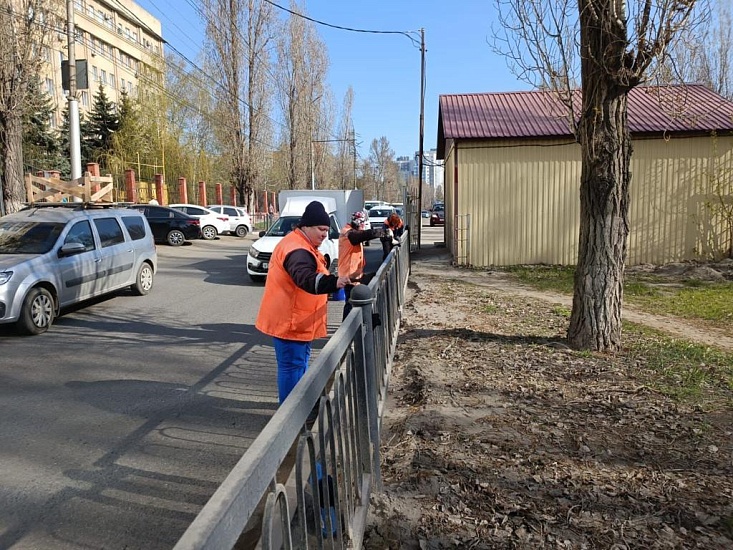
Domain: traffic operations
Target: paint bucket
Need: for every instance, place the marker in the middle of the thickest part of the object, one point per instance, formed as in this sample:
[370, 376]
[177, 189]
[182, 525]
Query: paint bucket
[339, 295]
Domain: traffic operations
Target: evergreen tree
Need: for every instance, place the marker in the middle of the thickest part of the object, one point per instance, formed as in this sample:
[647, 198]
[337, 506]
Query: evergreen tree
[42, 149]
[103, 123]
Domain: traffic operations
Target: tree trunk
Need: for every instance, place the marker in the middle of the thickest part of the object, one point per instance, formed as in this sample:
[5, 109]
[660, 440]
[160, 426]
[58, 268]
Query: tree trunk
[595, 322]
[14, 187]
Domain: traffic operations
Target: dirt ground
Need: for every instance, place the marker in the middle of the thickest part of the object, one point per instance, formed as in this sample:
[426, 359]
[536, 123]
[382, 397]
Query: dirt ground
[499, 436]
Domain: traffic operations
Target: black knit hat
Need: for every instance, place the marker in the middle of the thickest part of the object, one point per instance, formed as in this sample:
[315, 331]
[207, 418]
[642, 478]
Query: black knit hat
[314, 214]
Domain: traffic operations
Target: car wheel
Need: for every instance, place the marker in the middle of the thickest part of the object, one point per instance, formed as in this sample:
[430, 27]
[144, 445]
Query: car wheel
[257, 278]
[208, 232]
[37, 313]
[144, 280]
[432, 223]
[176, 238]
[241, 231]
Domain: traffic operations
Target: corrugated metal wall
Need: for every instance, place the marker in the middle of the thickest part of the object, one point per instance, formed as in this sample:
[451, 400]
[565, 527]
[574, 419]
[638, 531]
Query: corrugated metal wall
[522, 201]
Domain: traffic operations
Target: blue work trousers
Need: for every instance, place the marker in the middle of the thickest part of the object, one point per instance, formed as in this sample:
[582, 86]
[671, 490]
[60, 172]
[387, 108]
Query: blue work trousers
[292, 360]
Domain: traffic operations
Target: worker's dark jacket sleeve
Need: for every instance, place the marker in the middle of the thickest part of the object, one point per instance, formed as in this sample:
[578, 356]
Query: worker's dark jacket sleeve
[357, 236]
[301, 266]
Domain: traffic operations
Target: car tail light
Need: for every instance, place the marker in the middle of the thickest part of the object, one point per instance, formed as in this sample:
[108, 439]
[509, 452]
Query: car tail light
[195, 221]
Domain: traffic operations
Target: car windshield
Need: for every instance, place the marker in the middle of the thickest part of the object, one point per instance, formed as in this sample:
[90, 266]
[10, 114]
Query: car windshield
[282, 226]
[28, 237]
[375, 213]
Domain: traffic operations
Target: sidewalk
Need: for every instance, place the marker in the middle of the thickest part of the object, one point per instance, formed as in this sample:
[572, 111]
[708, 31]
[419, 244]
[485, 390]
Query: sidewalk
[432, 262]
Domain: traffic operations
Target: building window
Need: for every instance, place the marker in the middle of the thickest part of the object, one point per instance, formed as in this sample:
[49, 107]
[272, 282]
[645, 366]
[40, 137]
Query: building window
[62, 56]
[111, 80]
[85, 98]
[122, 85]
[47, 54]
[49, 86]
[78, 6]
[104, 76]
[90, 11]
[95, 73]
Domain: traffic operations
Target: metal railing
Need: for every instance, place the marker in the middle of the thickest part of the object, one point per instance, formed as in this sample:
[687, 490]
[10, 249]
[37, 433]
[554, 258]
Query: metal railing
[272, 496]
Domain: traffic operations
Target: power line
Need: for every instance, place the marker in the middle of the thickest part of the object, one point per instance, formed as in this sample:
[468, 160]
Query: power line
[342, 28]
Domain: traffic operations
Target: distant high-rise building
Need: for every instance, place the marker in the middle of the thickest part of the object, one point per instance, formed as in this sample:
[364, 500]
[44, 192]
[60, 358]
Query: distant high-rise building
[432, 169]
[406, 168]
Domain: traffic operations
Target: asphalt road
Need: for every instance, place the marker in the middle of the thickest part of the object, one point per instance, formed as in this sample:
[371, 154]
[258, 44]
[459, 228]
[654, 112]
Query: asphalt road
[118, 424]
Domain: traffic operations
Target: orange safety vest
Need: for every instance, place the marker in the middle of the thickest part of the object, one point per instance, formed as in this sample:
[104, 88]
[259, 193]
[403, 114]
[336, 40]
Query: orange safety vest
[351, 256]
[287, 311]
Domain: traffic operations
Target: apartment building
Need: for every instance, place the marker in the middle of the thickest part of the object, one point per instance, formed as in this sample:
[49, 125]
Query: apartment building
[122, 45]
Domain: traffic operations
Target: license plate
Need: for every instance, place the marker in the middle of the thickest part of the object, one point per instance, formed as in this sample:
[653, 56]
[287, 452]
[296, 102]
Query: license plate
[265, 265]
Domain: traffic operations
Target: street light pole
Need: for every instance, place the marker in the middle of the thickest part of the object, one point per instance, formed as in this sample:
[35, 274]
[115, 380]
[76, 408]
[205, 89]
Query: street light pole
[422, 134]
[74, 131]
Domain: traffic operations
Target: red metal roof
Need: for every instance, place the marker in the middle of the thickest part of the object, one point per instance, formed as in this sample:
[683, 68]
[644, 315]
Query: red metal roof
[512, 115]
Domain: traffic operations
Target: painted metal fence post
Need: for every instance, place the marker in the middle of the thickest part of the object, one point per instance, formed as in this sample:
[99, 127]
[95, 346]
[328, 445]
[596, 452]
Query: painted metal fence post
[361, 297]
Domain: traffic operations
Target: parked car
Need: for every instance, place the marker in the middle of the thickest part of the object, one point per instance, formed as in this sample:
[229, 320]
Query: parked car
[378, 215]
[213, 224]
[260, 252]
[53, 255]
[239, 221]
[368, 205]
[437, 216]
[169, 225]
[425, 214]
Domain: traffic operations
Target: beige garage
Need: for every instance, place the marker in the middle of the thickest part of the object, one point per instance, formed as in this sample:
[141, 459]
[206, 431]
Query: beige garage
[512, 176]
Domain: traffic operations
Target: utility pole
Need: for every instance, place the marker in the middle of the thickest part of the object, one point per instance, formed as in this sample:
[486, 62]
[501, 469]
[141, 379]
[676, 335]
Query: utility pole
[353, 144]
[422, 134]
[74, 132]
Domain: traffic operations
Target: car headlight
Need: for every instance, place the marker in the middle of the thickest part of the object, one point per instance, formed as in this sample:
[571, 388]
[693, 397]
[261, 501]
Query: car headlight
[254, 252]
[5, 276]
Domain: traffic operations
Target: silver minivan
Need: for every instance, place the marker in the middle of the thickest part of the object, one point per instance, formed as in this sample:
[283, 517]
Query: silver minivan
[55, 255]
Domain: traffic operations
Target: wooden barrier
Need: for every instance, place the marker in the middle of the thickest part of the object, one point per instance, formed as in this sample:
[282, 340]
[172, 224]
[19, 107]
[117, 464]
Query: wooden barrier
[88, 188]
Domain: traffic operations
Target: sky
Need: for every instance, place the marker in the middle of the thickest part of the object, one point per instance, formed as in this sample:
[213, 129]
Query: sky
[384, 69]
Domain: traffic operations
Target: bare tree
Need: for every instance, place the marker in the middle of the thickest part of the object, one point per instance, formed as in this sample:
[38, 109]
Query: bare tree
[344, 168]
[616, 42]
[239, 34]
[382, 161]
[302, 67]
[26, 28]
[703, 53]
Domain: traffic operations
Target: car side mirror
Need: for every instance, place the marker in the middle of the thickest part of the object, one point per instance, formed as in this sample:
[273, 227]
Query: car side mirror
[71, 249]
[261, 233]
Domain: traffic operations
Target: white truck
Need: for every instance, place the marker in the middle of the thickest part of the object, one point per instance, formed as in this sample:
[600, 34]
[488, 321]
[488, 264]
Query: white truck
[347, 201]
[339, 205]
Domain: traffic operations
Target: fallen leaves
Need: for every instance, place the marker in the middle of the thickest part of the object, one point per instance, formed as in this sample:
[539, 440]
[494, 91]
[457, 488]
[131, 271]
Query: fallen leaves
[499, 436]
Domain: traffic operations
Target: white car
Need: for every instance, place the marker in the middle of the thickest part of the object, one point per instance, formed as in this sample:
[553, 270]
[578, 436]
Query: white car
[260, 252]
[212, 223]
[379, 214]
[239, 221]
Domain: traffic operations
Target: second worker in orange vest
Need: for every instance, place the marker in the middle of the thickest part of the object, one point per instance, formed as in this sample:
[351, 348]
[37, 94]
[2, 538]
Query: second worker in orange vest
[295, 303]
[351, 253]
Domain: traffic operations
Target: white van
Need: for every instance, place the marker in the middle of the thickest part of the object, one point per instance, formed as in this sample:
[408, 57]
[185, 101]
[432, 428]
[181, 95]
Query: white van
[260, 252]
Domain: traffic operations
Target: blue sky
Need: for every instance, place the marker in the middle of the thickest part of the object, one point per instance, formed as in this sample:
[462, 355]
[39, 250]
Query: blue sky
[384, 69]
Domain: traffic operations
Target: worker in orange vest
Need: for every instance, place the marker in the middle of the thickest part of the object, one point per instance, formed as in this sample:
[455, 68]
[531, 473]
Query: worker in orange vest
[294, 306]
[351, 253]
